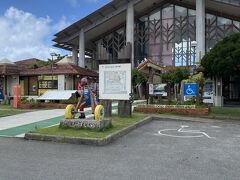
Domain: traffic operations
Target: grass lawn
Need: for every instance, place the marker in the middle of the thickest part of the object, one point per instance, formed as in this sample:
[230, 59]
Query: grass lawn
[118, 123]
[225, 112]
[7, 110]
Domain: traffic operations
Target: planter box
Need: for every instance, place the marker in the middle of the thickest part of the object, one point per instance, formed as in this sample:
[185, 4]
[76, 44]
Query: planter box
[174, 109]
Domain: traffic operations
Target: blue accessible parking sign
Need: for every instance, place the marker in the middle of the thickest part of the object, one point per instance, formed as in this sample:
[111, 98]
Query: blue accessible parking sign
[1, 95]
[190, 89]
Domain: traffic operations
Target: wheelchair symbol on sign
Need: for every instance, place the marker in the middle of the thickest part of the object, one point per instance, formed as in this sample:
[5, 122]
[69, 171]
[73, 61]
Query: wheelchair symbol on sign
[189, 90]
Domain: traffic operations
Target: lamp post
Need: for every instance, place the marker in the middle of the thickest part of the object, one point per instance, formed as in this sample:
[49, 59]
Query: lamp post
[52, 54]
[194, 45]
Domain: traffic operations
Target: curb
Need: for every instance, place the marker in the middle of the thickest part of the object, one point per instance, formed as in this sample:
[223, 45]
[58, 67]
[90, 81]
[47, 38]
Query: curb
[112, 137]
[88, 141]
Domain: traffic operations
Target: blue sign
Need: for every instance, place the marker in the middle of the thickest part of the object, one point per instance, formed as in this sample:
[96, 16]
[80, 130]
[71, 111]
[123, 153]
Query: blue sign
[1, 95]
[190, 89]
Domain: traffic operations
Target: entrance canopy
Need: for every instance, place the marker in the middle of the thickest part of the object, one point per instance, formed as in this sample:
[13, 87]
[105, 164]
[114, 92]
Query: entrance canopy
[57, 95]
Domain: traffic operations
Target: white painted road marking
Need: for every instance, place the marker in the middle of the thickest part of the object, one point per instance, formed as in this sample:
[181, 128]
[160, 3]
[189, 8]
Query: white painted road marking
[182, 131]
[217, 127]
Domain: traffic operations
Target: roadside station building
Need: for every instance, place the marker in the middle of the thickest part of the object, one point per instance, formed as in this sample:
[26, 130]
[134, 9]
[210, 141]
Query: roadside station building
[169, 32]
[34, 81]
[9, 76]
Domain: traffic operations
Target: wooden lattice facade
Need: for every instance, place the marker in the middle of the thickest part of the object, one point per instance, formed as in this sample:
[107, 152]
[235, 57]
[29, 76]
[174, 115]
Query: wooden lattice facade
[165, 36]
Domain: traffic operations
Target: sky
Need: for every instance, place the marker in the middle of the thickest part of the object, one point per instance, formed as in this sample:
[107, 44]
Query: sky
[27, 27]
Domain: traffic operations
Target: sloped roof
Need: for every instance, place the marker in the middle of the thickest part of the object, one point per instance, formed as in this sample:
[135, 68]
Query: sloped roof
[8, 69]
[66, 60]
[5, 61]
[147, 63]
[27, 63]
[60, 69]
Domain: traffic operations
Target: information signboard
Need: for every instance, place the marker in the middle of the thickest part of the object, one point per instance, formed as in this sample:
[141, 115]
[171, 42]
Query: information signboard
[157, 89]
[208, 92]
[115, 81]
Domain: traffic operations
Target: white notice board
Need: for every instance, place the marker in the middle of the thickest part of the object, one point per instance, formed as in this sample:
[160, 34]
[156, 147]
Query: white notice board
[115, 81]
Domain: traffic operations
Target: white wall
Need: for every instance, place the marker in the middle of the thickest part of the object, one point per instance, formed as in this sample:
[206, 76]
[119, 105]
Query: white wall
[69, 82]
[65, 82]
[61, 81]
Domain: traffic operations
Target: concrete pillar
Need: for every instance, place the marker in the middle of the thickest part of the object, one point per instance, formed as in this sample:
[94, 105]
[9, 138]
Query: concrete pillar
[130, 28]
[61, 82]
[81, 61]
[200, 29]
[75, 55]
[218, 98]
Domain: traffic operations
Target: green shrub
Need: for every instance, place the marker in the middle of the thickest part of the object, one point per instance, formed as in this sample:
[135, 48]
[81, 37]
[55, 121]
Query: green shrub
[223, 60]
[138, 77]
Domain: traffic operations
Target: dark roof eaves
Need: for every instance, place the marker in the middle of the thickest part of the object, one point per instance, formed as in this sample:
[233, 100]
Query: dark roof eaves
[85, 19]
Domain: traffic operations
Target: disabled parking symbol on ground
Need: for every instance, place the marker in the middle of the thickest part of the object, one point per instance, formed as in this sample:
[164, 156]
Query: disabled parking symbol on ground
[182, 132]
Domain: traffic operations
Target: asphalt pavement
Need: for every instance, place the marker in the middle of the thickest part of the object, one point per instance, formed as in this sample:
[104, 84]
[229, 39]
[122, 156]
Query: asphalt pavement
[166, 149]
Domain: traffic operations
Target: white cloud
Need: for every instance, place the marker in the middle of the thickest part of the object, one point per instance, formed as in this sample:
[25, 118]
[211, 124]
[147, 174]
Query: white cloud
[63, 23]
[23, 35]
[92, 1]
[73, 3]
[76, 3]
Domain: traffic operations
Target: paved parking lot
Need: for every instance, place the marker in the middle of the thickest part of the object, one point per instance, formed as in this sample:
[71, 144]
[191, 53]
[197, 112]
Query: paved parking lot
[165, 149]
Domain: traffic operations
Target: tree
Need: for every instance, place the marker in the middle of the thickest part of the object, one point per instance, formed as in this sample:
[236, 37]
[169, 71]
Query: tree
[138, 77]
[175, 75]
[224, 59]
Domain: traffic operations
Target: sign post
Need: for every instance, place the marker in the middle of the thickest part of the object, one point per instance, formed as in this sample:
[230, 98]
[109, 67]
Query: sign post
[208, 92]
[115, 84]
[1, 95]
[16, 96]
[190, 90]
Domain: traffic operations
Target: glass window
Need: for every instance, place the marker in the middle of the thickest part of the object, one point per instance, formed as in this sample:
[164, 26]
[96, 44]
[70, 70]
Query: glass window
[144, 18]
[167, 12]
[223, 21]
[236, 23]
[156, 15]
[120, 31]
[210, 18]
[180, 11]
[167, 16]
[191, 12]
[170, 39]
[236, 27]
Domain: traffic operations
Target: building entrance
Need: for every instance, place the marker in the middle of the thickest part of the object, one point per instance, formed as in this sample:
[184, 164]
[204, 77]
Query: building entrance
[231, 90]
[1, 89]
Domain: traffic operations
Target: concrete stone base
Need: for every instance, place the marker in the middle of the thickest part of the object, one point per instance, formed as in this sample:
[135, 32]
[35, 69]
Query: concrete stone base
[85, 124]
[218, 101]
